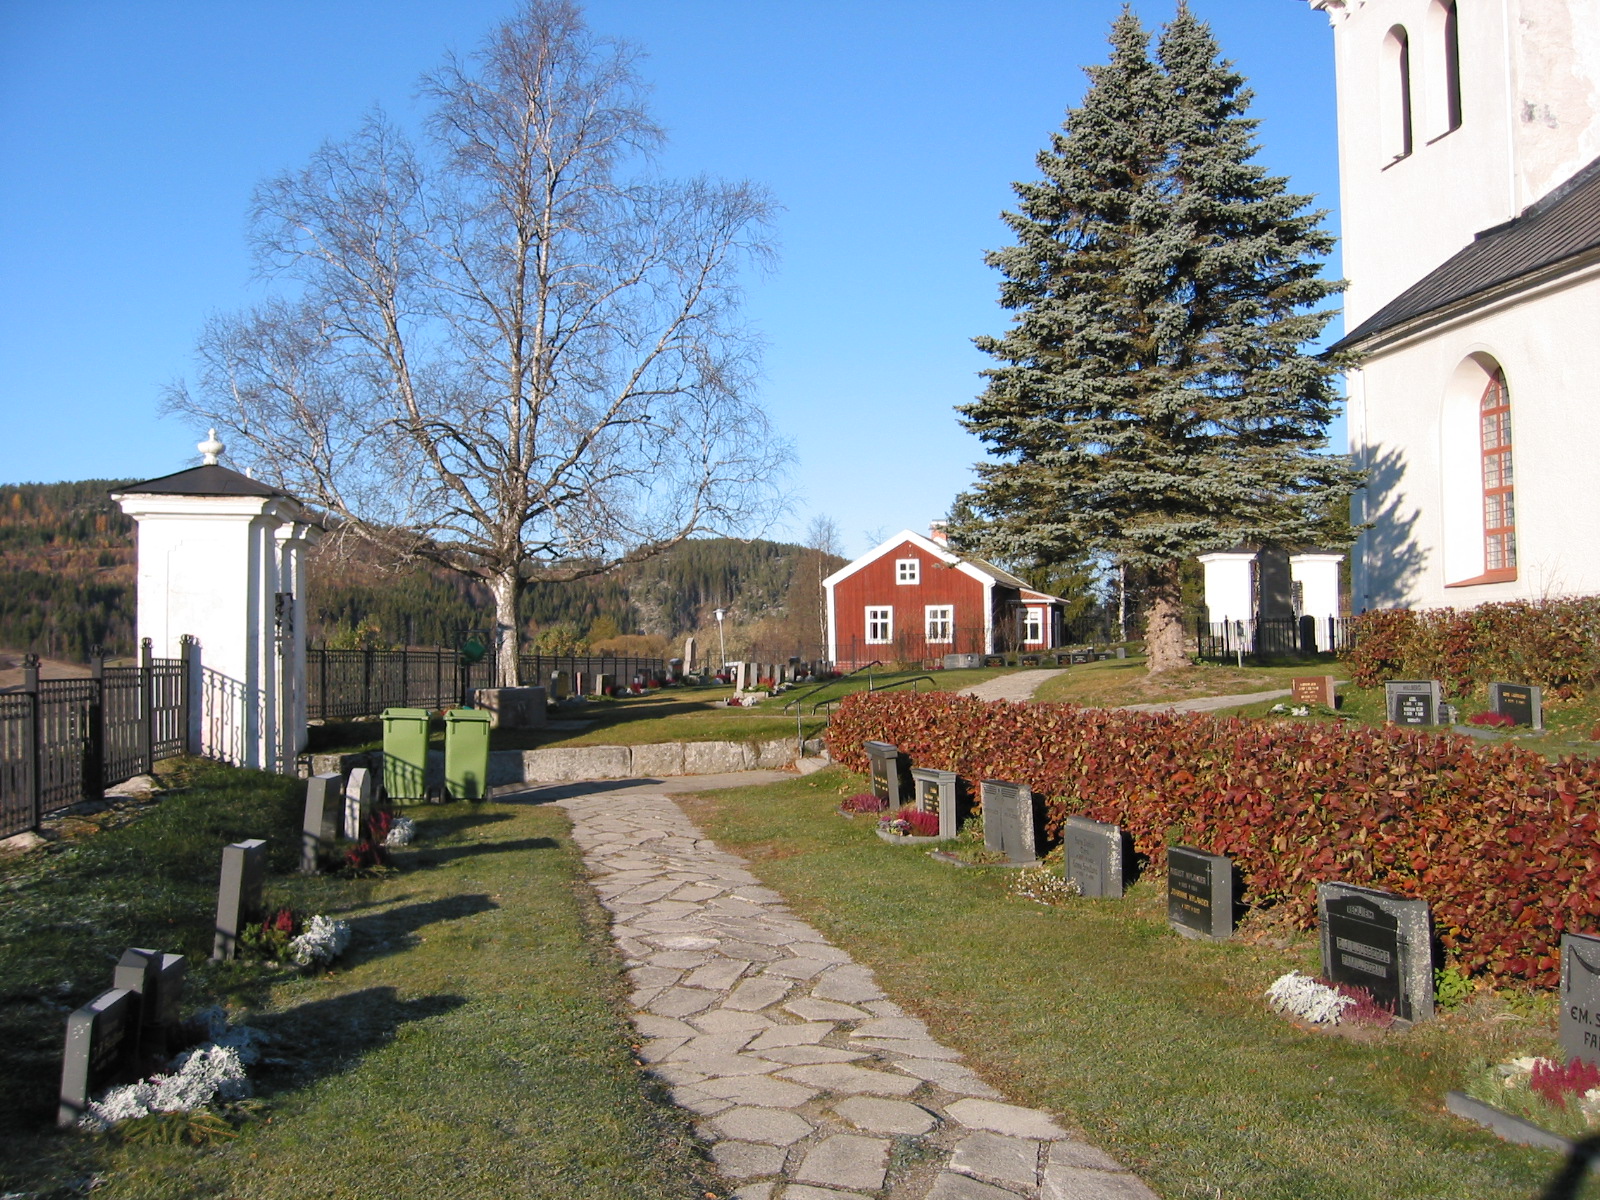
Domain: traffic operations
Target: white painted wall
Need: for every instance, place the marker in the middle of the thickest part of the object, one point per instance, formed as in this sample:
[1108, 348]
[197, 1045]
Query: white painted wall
[1318, 577]
[1414, 425]
[1530, 73]
[1229, 595]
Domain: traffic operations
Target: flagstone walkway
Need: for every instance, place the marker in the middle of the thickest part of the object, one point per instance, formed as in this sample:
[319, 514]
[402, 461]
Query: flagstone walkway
[810, 1084]
[1014, 685]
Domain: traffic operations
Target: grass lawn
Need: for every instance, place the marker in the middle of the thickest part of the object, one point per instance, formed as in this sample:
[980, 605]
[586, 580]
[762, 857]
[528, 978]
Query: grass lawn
[469, 1044]
[1124, 681]
[1158, 1047]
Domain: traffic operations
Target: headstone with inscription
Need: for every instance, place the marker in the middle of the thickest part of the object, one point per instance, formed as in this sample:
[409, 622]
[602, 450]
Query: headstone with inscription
[560, 685]
[1200, 893]
[1096, 858]
[1414, 701]
[1079, 657]
[319, 827]
[244, 868]
[939, 792]
[156, 979]
[99, 1037]
[357, 803]
[1380, 941]
[1314, 689]
[1010, 821]
[1579, 1025]
[1522, 702]
[888, 770]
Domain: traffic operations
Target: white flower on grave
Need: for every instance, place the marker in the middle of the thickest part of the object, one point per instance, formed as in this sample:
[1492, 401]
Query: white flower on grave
[322, 942]
[1307, 999]
[200, 1076]
[401, 832]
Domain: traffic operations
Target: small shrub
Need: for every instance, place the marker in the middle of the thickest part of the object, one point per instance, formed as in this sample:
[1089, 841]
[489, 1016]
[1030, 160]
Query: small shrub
[1451, 988]
[862, 802]
[1491, 720]
[920, 824]
[1554, 1083]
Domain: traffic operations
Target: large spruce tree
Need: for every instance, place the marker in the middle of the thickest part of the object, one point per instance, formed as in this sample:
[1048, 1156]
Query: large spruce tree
[1154, 397]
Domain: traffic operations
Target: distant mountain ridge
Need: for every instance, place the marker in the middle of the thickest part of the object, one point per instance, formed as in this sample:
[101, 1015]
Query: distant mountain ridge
[67, 575]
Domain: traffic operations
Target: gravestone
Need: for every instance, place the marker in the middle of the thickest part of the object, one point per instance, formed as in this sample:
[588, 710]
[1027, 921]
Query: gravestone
[674, 670]
[689, 661]
[1095, 858]
[1314, 689]
[156, 980]
[357, 803]
[513, 708]
[319, 827]
[603, 684]
[1580, 997]
[961, 662]
[97, 1051]
[1080, 657]
[1122, 652]
[1010, 821]
[1200, 893]
[1380, 941]
[1414, 701]
[887, 767]
[938, 792]
[560, 685]
[1522, 702]
[244, 867]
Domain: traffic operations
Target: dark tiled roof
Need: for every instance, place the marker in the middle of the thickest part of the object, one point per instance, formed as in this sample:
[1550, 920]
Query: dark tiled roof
[1559, 226]
[208, 480]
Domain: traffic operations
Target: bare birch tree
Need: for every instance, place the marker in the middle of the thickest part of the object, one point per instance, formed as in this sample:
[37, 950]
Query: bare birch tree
[512, 350]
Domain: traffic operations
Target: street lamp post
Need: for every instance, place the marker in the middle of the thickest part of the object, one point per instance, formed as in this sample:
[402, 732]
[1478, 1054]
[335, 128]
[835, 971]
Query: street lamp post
[722, 641]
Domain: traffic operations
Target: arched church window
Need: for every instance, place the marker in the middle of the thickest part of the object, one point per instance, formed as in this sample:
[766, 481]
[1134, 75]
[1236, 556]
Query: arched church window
[1499, 509]
[1397, 131]
[1445, 70]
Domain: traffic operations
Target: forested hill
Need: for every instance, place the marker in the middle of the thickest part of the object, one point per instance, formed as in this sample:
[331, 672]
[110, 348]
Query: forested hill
[67, 577]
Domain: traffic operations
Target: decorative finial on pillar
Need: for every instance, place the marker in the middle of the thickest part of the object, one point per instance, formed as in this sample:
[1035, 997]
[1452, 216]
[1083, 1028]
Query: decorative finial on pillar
[211, 448]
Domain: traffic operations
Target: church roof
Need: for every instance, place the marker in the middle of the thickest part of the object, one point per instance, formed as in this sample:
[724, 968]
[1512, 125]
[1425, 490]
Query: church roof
[1559, 226]
[209, 479]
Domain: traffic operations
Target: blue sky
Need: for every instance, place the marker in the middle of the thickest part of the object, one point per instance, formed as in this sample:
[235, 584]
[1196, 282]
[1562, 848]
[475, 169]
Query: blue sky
[131, 136]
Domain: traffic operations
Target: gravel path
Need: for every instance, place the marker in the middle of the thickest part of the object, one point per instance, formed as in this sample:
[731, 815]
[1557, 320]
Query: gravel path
[808, 1082]
[1017, 685]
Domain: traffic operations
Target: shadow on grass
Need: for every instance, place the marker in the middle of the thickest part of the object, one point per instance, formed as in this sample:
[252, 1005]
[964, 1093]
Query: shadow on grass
[433, 858]
[328, 1036]
[551, 792]
[1580, 1163]
[390, 932]
[443, 827]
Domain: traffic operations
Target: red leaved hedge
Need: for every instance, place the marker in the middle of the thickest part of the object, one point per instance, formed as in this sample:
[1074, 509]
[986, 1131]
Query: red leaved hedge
[1552, 643]
[1501, 842]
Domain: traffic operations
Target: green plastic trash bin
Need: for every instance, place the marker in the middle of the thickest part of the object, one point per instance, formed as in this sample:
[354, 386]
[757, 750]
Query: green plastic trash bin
[466, 753]
[405, 755]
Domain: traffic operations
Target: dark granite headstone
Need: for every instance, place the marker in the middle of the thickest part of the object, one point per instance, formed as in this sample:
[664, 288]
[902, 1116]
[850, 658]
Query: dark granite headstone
[939, 792]
[1200, 893]
[1095, 858]
[1522, 702]
[1314, 689]
[319, 830]
[1414, 701]
[887, 767]
[156, 980]
[1379, 941]
[244, 867]
[1580, 997]
[1010, 821]
[1079, 657]
[98, 1051]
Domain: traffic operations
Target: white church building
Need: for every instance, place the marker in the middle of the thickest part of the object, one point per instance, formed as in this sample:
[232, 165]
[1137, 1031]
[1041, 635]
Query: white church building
[1469, 148]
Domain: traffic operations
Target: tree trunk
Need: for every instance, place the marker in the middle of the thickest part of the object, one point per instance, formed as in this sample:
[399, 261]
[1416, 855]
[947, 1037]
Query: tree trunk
[1163, 638]
[507, 588]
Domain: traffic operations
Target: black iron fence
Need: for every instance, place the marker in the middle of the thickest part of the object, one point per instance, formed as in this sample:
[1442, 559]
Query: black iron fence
[1272, 637]
[64, 740]
[344, 684]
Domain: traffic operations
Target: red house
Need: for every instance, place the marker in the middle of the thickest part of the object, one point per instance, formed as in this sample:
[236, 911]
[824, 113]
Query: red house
[914, 598]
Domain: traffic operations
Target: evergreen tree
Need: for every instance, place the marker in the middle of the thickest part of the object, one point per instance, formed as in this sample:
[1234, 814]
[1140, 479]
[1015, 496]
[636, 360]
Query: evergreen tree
[1153, 398]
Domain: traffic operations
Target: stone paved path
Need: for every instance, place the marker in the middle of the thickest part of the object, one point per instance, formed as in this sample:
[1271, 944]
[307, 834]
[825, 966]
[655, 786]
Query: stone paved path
[1015, 685]
[810, 1084]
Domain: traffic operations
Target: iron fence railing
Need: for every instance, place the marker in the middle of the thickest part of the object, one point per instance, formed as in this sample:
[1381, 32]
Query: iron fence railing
[1272, 637]
[64, 740]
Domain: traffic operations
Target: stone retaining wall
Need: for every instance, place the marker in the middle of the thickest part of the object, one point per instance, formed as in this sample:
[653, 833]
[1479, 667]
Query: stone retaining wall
[568, 764]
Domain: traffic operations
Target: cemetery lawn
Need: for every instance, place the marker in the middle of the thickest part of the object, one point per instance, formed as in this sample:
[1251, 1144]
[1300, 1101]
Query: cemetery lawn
[1123, 681]
[1159, 1048]
[469, 1044]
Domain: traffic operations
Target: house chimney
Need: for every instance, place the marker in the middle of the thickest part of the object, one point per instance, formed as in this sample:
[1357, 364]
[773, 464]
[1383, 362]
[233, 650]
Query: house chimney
[937, 533]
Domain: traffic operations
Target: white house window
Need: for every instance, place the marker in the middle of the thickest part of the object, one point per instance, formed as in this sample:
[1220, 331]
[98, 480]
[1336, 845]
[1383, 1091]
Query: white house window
[941, 619]
[1032, 625]
[880, 626]
[907, 570]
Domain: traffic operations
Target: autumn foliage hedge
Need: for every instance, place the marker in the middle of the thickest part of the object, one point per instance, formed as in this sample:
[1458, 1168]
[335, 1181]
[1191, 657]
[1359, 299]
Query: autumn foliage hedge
[1552, 643]
[1502, 843]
